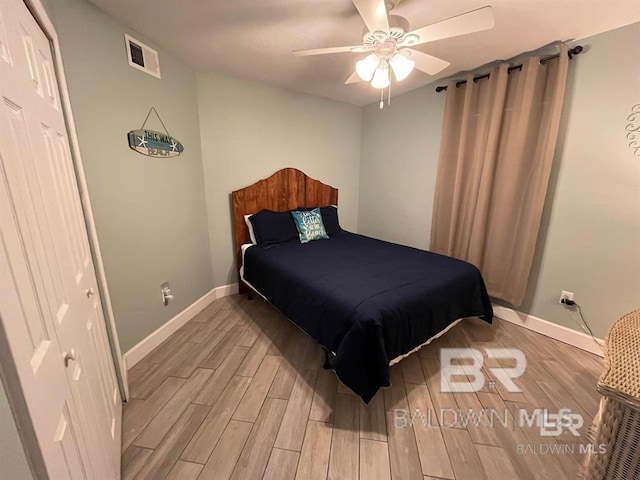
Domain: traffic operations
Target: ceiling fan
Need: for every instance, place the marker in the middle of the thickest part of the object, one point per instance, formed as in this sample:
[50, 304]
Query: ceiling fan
[388, 41]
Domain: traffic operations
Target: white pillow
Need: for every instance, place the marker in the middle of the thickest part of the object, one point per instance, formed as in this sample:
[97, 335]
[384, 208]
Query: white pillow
[250, 227]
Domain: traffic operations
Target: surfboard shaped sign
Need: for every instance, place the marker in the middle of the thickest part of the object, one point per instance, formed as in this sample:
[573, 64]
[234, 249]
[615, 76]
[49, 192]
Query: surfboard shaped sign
[154, 144]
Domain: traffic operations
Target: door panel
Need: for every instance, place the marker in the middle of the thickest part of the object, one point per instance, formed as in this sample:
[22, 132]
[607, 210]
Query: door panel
[4, 47]
[75, 224]
[30, 206]
[61, 188]
[87, 404]
[67, 441]
[97, 336]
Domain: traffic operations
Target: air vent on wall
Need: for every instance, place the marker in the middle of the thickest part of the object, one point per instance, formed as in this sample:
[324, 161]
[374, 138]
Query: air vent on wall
[142, 57]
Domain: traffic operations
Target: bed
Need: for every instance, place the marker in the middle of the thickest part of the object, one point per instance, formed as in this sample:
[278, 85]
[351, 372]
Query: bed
[368, 302]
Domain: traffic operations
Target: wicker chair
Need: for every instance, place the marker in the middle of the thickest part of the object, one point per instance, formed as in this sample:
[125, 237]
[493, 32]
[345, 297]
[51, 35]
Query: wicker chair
[617, 424]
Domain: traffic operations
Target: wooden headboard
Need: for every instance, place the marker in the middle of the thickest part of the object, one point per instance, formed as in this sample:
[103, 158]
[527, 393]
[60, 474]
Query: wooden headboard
[287, 189]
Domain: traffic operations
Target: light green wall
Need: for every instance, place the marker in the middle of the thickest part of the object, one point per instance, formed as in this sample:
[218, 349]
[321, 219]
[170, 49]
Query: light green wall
[249, 131]
[589, 237]
[589, 242]
[398, 167]
[13, 463]
[150, 213]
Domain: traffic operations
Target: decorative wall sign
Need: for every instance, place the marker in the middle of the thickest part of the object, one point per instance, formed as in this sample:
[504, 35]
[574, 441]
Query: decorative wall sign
[152, 143]
[633, 130]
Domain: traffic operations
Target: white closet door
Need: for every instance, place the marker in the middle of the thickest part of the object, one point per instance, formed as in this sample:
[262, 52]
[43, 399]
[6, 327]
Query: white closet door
[49, 306]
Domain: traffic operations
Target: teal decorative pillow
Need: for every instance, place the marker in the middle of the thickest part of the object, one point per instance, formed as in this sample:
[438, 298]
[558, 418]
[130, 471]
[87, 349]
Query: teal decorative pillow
[309, 225]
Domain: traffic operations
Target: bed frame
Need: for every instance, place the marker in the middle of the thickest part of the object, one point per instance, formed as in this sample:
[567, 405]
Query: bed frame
[287, 189]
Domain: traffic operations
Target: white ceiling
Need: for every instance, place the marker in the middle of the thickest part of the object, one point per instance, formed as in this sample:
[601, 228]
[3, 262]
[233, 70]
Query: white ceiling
[253, 39]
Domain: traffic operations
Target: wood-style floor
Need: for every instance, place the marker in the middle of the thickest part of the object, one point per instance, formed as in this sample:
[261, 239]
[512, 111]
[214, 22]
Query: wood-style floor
[240, 393]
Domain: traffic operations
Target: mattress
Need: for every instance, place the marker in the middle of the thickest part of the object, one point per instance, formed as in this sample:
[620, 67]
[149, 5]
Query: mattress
[366, 300]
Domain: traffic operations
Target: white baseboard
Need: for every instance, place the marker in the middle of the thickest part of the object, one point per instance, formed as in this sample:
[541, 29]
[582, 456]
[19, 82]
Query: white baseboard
[558, 332]
[144, 347]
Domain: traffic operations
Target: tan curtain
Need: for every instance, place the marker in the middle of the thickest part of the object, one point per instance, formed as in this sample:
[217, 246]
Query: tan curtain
[498, 141]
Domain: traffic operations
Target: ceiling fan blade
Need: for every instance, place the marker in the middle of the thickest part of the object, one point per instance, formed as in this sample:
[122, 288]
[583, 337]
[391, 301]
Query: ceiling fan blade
[427, 63]
[354, 78]
[374, 14]
[473, 21]
[324, 51]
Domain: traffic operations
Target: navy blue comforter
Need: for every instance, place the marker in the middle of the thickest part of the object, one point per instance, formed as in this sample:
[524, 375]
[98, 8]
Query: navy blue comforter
[366, 300]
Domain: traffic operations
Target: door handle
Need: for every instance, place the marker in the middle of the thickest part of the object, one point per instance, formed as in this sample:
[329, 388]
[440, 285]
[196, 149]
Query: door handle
[90, 292]
[68, 356]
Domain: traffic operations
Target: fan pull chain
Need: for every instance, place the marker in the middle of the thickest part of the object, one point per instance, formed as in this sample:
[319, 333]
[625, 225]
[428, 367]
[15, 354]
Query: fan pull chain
[381, 98]
[389, 93]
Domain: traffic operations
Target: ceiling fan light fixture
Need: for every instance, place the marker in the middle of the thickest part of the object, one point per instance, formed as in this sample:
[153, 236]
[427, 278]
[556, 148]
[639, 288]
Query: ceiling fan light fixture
[401, 65]
[366, 67]
[381, 77]
[389, 43]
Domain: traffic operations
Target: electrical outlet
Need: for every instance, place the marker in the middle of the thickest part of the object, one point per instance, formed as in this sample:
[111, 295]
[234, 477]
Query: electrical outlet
[564, 294]
[165, 292]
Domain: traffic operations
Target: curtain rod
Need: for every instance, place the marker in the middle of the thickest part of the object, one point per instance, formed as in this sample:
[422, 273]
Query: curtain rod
[577, 50]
